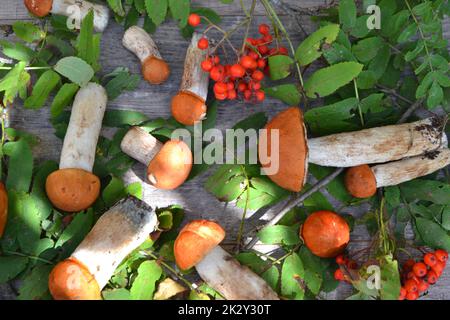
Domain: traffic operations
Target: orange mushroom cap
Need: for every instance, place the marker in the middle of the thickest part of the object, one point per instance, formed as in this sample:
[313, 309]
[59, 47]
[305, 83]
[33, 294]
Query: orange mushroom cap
[3, 208]
[171, 165]
[155, 70]
[188, 108]
[293, 149]
[71, 280]
[360, 181]
[325, 233]
[39, 8]
[72, 190]
[195, 241]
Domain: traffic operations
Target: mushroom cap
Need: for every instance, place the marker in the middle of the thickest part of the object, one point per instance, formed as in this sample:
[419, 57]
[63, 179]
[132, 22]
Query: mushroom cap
[171, 165]
[360, 181]
[155, 70]
[71, 280]
[325, 233]
[293, 149]
[195, 241]
[39, 8]
[72, 190]
[3, 208]
[188, 108]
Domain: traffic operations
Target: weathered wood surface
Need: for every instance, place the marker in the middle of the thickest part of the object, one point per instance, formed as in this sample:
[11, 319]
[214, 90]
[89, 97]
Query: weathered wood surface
[154, 101]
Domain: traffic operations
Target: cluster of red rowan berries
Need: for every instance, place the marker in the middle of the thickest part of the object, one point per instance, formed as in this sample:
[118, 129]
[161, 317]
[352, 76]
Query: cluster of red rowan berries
[418, 276]
[244, 77]
[343, 260]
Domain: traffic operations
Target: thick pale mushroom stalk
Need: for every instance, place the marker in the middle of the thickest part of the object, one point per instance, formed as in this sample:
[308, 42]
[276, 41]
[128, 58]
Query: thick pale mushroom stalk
[232, 280]
[75, 10]
[115, 235]
[188, 106]
[154, 69]
[377, 145]
[168, 164]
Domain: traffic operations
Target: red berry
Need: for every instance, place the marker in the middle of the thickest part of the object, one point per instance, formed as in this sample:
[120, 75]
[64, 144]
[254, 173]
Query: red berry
[242, 86]
[411, 285]
[230, 85]
[432, 277]
[260, 95]
[254, 85]
[215, 59]
[248, 63]
[339, 275]
[264, 29]
[412, 295]
[257, 75]
[207, 65]
[423, 286]
[412, 275]
[253, 55]
[194, 19]
[430, 259]
[441, 255]
[247, 94]
[408, 264]
[341, 260]
[237, 71]
[283, 51]
[438, 268]
[263, 50]
[217, 73]
[251, 41]
[232, 94]
[403, 293]
[203, 44]
[261, 63]
[221, 96]
[420, 269]
[220, 87]
[267, 38]
[273, 51]
[351, 264]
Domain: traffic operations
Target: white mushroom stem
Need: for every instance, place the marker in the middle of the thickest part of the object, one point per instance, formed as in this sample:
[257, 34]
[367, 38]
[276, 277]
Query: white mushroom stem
[140, 145]
[78, 9]
[232, 280]
[377, 145]
[116, 234]
[394, 173]
[138, 41]
[195, 80]
[85, 123]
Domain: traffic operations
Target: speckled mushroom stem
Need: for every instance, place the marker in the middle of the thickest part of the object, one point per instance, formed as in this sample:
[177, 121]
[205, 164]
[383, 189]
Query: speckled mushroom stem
[377, 145]
[115, 235]
[140, 43]
[78, 9]
[394, 173]
[195, 80]
[232, 280]
[85, 123]
[140, 145]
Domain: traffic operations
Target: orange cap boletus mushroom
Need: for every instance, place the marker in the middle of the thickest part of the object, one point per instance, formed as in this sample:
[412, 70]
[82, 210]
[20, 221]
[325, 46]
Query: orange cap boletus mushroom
[197, 245]
[290, 150]
[362, 181]
[189, 105]
[118, 232]
[41, 8]
[168, 164]
[325, 233]
[3, 208]
[154, 69]
[74, 188]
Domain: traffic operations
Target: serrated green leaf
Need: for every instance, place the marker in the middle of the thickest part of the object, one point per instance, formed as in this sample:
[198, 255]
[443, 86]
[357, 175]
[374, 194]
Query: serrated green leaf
[15, 81]
[347, 13]
[280, 66]
[116, 7]
[367, 49]
[27, 31]
[288, 93]
[407, 33]
[87, 46]
[42, 89]
[11, 266]
[119, 118]
[121, 81]
[157, 10]
[180, 10]
[35, 284]
[63, 98]
[338, 53]
[432, 234]
[327, 80]
[428, 190]
[292, 274]
[75, 69]
[390, 278]
[263, 268]
[117, 294]
[20, 167]
[144, 285]
[17, 51]
[75, 232]
[435, 95]
[279, 234]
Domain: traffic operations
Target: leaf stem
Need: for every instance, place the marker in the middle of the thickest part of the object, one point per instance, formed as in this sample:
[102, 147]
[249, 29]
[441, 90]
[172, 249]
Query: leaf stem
[244, 214]
[29, 256]
[361, 117]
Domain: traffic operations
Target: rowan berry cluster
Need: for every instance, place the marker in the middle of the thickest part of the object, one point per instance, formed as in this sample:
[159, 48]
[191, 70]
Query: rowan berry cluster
[418, 276]
[243, 78]
[343, 260]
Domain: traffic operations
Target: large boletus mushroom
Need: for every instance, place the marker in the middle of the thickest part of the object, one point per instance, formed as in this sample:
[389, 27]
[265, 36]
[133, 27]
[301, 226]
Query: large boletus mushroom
[74, 187]
[119, 231]
[197, 245]
[375, 145]
[168, 164]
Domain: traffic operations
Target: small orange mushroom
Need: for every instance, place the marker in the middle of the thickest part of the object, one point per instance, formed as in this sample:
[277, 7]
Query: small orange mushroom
[360, 181]
[3, 208]
[325, 233]
[39, 8]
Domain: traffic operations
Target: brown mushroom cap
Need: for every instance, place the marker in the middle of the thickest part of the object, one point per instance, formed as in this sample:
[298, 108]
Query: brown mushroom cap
[293, 149]
[39, 8]
[325, 233]
[70, 280]
[195, 241]
[3, 208]
[155, 70]
[72, 190]
[171, 165]
[188, 108]
[360, 181]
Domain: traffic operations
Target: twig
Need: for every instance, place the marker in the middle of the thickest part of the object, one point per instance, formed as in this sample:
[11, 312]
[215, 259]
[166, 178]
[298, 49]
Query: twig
[410, 111]
[295, 202]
